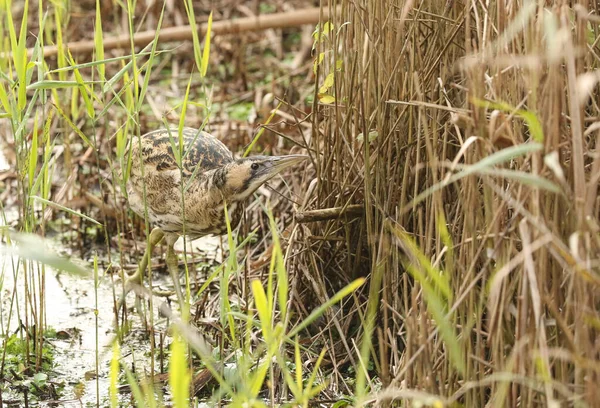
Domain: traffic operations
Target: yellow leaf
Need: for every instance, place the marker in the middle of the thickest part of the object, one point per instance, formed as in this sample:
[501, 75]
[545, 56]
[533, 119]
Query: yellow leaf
[327, 84]
[318, 61]
[325, 98]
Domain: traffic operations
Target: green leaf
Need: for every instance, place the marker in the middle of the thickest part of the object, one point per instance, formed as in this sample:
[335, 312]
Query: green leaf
[437, 305]
[373, 134]
[318, 61]
[182, 120]
[258, 378]
[150, 63]
[481, 166]
[33, 153]
[85, 92]
[4, 98]
[298, 362]
[530, 118]
[277, 265]
[52, 84]
[73, 127]
[189, 9]
[21, 59]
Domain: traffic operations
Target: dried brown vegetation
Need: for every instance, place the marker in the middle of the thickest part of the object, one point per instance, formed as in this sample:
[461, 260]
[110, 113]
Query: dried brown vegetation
[484, 272]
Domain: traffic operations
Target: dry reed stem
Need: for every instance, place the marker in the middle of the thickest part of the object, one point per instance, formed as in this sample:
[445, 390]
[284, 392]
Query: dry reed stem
[184, 33]
[521, 264]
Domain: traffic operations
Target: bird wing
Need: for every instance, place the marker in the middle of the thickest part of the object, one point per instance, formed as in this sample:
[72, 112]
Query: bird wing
[200, 149]
[204, 150]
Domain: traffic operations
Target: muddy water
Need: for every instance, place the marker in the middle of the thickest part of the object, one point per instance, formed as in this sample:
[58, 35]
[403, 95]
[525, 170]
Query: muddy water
[70, 310]
[85, 335]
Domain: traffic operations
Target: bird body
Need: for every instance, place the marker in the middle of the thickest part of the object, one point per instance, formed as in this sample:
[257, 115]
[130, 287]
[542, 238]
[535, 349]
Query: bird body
[208, 179]
[189, 199]
[156, 169]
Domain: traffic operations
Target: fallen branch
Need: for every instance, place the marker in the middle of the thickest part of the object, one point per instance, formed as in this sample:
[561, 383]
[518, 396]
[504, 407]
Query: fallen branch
[353, 211]
[183, 33]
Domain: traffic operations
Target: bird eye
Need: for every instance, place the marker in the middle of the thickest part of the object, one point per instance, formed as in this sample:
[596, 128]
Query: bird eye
[254, 166]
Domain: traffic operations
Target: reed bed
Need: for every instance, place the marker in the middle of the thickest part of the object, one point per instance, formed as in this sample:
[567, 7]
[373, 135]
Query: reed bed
[468, 134]
[440, 249]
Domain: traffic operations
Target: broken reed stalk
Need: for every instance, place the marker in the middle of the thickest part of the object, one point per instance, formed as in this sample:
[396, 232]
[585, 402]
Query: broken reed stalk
[182, 33]
[324, 214]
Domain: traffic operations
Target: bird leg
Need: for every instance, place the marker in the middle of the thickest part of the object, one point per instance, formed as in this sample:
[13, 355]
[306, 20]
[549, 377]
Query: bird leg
[173, 265]
[171, 260]
[155, 237]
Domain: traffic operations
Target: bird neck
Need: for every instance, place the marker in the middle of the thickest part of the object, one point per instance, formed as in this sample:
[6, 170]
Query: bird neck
[221, 185]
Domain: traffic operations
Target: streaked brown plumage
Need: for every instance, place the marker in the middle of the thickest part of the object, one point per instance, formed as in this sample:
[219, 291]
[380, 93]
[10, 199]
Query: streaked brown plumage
[210, 177]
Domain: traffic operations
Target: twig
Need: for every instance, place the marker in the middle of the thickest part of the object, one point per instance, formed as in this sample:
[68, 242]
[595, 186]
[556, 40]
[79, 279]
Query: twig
[354, 211]
[182, 33]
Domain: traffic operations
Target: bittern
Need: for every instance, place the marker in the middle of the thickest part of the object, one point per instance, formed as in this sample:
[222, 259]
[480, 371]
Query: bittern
[190, 200]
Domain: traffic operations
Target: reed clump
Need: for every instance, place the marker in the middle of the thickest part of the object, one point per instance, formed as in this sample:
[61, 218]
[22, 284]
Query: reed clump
[468, 133]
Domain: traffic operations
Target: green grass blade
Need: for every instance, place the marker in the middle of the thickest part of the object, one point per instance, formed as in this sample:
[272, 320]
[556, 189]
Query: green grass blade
[523, 178]
[85, 92]
[73, 126]
[179, 375]
[53, 84]
[4, 99]
[150, 63]
[298, 362]
[114, 374]
[531, 119]
[439, 279]
[261, 130]
[348, 289]
[66, 209]
[21, 60]
[436, 305]
[99, 41]
[184, 107]
[502, 156]
[33, 153]
[136, 392]
[262, 306]
[206, 51]
[34, 248]
[189, 9]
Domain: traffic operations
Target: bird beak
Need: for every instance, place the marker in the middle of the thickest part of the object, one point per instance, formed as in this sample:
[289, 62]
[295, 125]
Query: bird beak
[283, 162]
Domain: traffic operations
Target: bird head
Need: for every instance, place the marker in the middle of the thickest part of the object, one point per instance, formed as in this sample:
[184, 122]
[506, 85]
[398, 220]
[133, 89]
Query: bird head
[242, 177]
